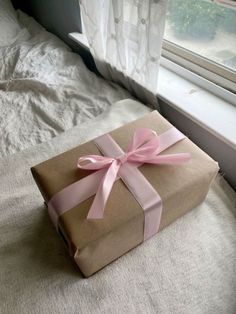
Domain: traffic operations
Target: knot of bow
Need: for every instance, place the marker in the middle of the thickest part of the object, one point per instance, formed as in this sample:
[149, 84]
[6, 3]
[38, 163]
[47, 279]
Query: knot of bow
[145, 147]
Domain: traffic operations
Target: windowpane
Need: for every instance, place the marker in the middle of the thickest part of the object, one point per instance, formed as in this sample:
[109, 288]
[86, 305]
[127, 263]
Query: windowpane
[205, 28]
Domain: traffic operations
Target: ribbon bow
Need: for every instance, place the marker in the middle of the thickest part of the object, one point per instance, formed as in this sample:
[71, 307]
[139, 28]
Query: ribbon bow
[145, 147]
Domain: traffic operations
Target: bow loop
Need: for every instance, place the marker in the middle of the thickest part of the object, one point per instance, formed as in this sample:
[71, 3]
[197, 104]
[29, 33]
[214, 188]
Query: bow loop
[143, 148]
[141, 136]
[147, 149]
[94, 162]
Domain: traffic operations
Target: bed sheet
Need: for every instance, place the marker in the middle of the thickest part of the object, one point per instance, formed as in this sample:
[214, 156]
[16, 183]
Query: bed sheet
[187, 268]
[45, 88]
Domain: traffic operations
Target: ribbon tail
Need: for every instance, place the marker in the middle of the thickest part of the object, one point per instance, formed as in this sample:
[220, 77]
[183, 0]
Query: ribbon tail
[172, 159]
[97, 209]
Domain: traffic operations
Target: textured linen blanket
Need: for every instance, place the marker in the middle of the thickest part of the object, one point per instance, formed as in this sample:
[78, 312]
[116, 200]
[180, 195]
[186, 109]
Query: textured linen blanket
[45, 88]
[187, 268]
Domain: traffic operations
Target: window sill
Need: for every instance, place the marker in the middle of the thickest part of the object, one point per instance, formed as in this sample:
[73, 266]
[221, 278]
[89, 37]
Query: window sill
[214, 110]
[80, 39]
[210, 106]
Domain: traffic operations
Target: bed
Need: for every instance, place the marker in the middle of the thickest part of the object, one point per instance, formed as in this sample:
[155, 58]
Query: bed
[50, 102]
[45, 88]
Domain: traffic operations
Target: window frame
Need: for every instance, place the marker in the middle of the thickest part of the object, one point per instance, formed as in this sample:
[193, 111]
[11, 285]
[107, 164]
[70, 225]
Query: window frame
[200, 65]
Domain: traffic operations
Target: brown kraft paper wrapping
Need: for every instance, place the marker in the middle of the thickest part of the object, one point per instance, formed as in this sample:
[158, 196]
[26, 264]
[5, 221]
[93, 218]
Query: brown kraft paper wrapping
[96, 243]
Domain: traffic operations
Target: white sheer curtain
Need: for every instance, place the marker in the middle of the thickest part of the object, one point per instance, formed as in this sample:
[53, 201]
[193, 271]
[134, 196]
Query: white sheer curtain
[125, 38]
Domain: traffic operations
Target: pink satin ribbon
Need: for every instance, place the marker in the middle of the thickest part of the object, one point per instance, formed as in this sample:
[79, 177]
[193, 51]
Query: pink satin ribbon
[144, 147]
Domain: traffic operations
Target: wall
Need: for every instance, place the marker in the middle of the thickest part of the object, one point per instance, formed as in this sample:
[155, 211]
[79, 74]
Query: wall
[57, 16]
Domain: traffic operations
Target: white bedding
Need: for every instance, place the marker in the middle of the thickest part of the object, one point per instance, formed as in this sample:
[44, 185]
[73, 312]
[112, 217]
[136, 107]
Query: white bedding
[187, 268]
[45, 89]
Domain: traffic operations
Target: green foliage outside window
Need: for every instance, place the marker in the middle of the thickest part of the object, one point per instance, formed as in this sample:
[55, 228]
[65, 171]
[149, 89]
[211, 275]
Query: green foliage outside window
[229, 21]
[199, 19]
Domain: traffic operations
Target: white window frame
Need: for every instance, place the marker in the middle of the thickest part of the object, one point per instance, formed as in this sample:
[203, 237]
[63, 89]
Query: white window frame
[199, 65]
[208, 69]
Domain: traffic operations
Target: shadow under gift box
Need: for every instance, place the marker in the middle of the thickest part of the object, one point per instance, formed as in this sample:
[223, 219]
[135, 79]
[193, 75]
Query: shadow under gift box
[95, 243]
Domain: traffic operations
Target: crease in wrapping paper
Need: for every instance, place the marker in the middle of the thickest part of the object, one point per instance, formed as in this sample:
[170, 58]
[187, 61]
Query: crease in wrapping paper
[180, 187]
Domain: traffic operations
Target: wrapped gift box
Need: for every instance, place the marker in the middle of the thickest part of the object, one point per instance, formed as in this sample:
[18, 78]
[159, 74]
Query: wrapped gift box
[94, 243]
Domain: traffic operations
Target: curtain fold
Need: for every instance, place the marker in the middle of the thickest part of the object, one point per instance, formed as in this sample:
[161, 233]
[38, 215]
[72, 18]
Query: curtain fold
[125, 38]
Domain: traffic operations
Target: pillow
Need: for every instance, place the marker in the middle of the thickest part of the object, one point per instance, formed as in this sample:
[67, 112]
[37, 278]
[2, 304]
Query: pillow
[9, 26]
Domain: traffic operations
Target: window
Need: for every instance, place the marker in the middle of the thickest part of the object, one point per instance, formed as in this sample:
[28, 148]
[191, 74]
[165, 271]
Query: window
[201, 36]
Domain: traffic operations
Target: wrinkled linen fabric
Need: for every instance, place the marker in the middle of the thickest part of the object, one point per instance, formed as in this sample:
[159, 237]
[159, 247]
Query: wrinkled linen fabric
[10, 30]
[45, 88]
[187, 268]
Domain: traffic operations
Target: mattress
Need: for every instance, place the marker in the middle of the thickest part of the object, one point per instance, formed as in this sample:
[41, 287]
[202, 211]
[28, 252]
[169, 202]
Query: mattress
[45, 88]
[187, 268]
